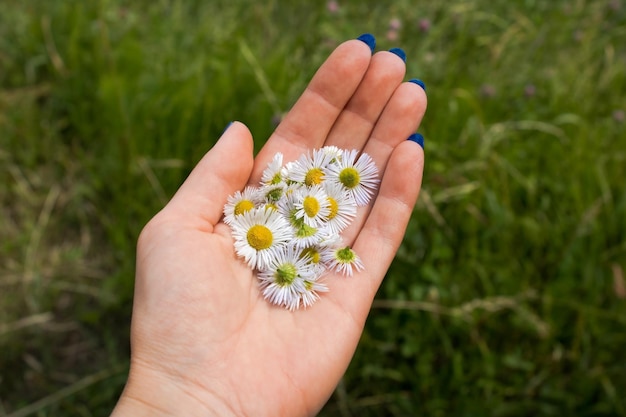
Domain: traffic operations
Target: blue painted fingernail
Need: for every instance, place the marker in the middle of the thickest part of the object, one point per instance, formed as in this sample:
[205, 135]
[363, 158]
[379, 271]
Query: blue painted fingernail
[226, 128]
[417, 138]
[399, 52]
[418, 82]
[369, 40]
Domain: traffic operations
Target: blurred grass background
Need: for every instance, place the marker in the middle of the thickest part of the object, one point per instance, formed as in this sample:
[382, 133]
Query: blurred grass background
[507, 297]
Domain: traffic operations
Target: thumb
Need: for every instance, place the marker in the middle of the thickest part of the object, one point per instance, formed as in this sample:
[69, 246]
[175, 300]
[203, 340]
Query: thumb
[223, 170]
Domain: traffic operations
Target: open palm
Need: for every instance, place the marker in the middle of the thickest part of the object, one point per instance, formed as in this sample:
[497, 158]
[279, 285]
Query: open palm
[204, 341]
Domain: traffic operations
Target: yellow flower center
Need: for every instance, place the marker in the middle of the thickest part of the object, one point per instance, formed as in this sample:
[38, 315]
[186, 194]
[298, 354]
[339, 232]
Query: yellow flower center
[285, 274]
[243, 206]
[313, 177]
[311, 206]
[349, 177]
[260, 237]
[312, 253]
[334, 208]
[271, 206]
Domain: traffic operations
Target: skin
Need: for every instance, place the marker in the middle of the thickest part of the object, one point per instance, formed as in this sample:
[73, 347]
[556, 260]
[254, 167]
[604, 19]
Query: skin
[204, 341]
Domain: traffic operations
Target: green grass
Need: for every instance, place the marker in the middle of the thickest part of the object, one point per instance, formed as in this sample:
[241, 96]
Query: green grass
[507, 296]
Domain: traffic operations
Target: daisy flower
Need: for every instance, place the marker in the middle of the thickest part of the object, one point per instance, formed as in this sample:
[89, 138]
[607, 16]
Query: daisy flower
[311, 170]
[283, 282]
[273, 175]
[313, 254]
[311, 290]
[240, 203]
[357, 174]
[342, 208]
[272, 193]
[344, 260]
[312, 205]
[303, 235]
[333, 152]
[259, 234]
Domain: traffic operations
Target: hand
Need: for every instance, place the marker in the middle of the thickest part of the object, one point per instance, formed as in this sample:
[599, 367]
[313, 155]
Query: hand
[204, 341]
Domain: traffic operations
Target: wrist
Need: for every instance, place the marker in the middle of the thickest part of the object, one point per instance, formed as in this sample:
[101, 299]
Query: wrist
[150, 393]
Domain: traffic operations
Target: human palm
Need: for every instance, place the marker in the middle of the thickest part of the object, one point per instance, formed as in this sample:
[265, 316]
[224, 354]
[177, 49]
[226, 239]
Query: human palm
[204, 341]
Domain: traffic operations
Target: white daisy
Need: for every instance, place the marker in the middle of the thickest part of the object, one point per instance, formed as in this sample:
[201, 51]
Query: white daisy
[283, 282]
[241, 202]
[342, 207]
[303, 235]
[313, 254]
[312, 204]
[343, 259]
[286, 172]
[358, 174]
[259, 234]
[333, 152]
[311, 290]
[272, 193]
[272, 175]
[311, 170]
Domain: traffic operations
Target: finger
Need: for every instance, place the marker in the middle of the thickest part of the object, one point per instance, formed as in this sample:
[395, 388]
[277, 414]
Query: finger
[382, 233]
[356, 121]
[307, 124]
[400, 118]
[223, 170]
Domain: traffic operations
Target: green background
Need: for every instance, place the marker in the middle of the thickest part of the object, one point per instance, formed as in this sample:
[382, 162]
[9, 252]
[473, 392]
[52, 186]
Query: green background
[507, 297]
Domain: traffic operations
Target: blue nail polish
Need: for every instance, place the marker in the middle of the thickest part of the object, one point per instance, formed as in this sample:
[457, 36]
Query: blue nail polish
[399, 52]
[369, 40]
[226, 128]
[418, 82]
[417, 138]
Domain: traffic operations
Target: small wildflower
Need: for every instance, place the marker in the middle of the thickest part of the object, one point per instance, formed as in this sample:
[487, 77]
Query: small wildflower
[332, 7]
[283, 282]
[310, 170]
[303, 234]
[333, 153]
[272, 193]
[424, 25]
[310, 294]
[312, 205]
[487, 90]
[272, 175]
[530, 90]
[259, 234]
[344, 260]
[395, 24]
[315, 253]
[240, 203]
[392, 35]
[357, 174]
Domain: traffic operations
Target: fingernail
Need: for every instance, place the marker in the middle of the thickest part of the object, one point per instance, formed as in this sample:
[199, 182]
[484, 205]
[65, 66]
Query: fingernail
[417, 138]
[226, 128]
[369, 40]
[399, 52]
[418, 82]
